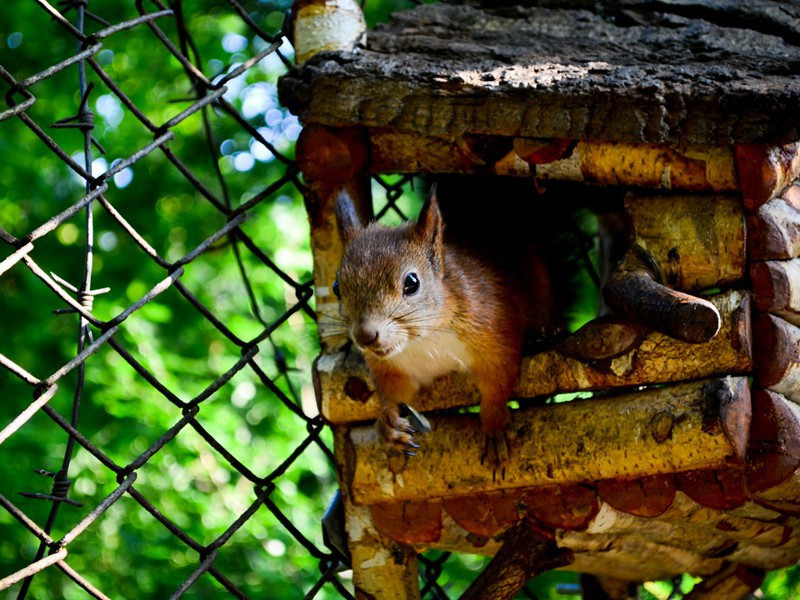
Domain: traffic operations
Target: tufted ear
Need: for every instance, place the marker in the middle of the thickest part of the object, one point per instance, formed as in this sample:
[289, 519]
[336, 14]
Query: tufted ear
[429, 230]
[346, 216]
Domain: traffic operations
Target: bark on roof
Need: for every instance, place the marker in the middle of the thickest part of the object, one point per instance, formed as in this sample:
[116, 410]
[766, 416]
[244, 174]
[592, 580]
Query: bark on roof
[675, 71]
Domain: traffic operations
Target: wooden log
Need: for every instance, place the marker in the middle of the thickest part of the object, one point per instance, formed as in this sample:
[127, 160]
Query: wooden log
[613, 438]
[684, 553]
[612, 522]
[604, 338]
[435, 71]
[721, 489]
[345, 396]
[697, 534]
[643, 556]
[635, 291]
[697, 242]
[659, 358]
[765, 171]
[331, 154]
[692, 168]
[656, 166]
[765, 558]
[382, 567]
[682, 525]
[773, 453]
[333, 160]
[684, 512]
[777, 355]
[776, 288]
[773, 232]
[317, 25]
[526, 552]
[734, 582]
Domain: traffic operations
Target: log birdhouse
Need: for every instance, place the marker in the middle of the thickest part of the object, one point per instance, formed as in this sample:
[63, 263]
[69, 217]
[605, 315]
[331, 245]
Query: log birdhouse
[688, 109]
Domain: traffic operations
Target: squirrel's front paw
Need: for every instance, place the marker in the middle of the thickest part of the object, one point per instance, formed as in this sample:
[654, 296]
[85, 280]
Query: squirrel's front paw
[495, 453]
[397, 432]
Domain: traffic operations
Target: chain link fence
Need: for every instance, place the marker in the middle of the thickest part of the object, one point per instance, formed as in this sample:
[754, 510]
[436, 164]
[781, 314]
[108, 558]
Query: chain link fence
[158, 431]
[133, 509]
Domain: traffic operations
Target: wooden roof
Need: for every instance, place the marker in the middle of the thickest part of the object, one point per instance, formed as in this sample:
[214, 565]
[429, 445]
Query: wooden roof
[670, 71]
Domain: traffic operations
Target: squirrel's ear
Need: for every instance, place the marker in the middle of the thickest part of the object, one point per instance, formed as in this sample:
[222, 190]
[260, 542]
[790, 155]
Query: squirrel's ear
[429, 229]
[347, 218]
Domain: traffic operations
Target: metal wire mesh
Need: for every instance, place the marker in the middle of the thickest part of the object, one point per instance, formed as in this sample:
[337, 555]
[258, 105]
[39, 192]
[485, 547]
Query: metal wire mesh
[97, 335]
[120, 487]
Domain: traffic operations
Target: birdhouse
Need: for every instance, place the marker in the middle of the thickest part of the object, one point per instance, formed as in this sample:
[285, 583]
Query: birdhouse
[688, 458]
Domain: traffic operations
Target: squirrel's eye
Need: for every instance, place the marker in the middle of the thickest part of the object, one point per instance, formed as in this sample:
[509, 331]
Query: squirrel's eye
[411, 284]
[336, 291]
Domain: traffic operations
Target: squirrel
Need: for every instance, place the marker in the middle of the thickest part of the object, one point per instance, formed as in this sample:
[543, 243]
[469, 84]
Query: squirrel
[419, 304]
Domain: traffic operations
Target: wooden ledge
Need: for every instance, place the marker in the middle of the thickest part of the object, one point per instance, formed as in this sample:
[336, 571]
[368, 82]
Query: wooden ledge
[345, 395]
[690, 426]
[567, 73]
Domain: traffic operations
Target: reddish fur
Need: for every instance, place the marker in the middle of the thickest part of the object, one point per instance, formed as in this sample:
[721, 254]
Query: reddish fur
[486, 308]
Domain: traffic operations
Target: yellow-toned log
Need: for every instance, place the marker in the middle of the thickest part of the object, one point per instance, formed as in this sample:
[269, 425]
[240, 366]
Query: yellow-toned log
[397, 152]
[382, 567]
[691, 168]
[734, 582]
[698, 242]
[776, 288]
[683, 427]
[777, 355]
[765, 171]
[345, 395]
[773, 232]
[659, 358]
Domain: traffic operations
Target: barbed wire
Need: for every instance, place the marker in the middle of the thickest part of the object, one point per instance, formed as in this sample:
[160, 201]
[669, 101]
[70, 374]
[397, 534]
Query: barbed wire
[94, 333]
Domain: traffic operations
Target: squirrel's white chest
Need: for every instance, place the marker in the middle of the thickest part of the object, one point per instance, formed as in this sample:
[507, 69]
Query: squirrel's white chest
[439, 353]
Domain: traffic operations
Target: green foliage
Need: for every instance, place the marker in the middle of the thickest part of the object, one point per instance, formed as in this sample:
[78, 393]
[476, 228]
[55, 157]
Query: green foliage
[126, 552]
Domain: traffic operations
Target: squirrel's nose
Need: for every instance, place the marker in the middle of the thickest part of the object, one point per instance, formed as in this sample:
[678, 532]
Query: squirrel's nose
[366, 336]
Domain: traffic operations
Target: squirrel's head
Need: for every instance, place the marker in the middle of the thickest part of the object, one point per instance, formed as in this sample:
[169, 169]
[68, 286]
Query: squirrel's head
[390, 283]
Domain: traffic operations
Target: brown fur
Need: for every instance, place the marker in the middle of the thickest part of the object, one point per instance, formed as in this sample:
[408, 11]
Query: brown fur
[467, 315]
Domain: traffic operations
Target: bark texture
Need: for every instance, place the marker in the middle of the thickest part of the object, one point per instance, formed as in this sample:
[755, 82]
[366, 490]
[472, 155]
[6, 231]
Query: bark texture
[633, 71]
[345, 395]
[666, 430]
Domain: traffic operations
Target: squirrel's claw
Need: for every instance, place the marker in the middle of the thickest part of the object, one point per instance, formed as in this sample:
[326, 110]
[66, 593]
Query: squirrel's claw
[495, 453]
[399, 431]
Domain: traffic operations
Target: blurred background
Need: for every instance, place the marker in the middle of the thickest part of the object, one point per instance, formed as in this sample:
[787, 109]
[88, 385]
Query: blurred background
[265, 416]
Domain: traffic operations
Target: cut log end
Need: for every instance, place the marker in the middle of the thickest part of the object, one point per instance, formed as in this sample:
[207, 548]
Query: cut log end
[601, 339]
[773, 452]
[634, 292]
[776, 345]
